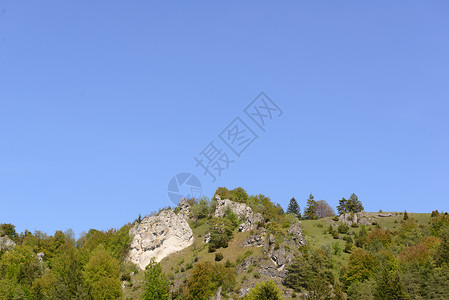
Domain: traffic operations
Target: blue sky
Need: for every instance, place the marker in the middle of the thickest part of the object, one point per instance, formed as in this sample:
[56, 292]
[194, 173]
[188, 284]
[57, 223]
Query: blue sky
[103, 102]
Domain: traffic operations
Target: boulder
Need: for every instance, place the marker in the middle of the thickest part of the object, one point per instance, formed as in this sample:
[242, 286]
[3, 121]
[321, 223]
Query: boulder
[6, 243]
[359, 218]
[159, 236]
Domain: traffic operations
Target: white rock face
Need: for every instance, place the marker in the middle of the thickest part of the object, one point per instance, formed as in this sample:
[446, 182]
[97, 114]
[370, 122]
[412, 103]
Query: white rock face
[241, 210]
[159, 236]
[6, 243]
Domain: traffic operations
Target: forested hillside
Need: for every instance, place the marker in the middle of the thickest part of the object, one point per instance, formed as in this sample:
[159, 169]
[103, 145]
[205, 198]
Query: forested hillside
[243, 247]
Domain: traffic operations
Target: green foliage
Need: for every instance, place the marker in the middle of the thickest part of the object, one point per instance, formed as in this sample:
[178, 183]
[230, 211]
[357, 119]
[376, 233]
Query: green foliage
[361, 266]
[67, 273]
[310, 212]
[101, 275]
[206, 278]
[343, 228]
[405, 218]
[264, 291]
[20, 266]
[293, 208]
[221, 231]
[438, 223]
[218, 256]
[200, 208]
[336, 248]
[353, 204]
[269, 210]
[156, 286]
[305, 268]
[390, 287]
[9, 230]
[237, 194]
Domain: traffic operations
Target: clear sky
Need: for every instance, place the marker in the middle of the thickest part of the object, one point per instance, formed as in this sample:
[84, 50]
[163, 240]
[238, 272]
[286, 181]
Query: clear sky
[103, 102]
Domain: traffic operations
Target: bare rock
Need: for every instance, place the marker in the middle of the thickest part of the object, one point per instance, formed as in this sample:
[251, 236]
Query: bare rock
[184, 208]
[40, 256]
[159, 236]
[6, 243]
[298, 237]
[256, 240]
[241, 210]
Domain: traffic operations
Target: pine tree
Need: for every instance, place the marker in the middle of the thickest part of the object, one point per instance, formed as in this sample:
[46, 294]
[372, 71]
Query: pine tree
[405, 216]
[353, 204]
[293, 208]
[389, 286]
[310, 210]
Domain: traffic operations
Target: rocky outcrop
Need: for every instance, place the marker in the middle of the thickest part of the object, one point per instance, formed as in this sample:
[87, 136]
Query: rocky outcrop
[256, 240]
[297, 235]
[184, 208]
[241, 210]
[159, 236]
[359, 218]
[6, 243]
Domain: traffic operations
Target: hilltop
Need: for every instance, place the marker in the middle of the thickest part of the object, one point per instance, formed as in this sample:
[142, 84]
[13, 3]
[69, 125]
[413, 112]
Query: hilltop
[236, 246]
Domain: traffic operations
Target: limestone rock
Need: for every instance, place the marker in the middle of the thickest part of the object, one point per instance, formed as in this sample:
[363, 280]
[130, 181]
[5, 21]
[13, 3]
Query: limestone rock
[255, 240]
[40, 256]
[159, 236]
[6, 243]
[184, 208]
[359, 218]
[241, 210]
[298, 236]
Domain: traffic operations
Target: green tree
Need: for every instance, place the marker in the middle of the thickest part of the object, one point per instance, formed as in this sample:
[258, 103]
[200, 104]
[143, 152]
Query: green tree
[200, 285]
[361, 266]
[310, 210]
[156, 286]
[264, 291]
[353, 204]
[305, 268]
[9, 230]
[405, 216]
[67, 273]
[221, 230]
[389, 287]
[293, 208]
[200, 209]
[102, 275]
[206, 278]
[342, 206]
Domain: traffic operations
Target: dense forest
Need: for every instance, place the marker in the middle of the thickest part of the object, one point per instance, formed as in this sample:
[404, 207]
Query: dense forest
[395, 255]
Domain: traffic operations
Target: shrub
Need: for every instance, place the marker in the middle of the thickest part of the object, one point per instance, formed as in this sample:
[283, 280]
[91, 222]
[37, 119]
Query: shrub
[264, 291]
[336, 248]
[335, 235]
[343, 228]
[221, 230]
[218, 256]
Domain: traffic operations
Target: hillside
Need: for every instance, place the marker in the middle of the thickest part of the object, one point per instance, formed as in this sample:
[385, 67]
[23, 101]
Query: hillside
[235, 246]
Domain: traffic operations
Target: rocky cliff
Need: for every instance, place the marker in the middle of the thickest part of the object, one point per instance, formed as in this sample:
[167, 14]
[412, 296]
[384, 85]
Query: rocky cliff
[242, 211]
[159, 236]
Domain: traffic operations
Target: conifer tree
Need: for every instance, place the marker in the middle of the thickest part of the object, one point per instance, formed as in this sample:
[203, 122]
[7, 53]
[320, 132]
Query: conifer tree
[310, 210]
[293, 208]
